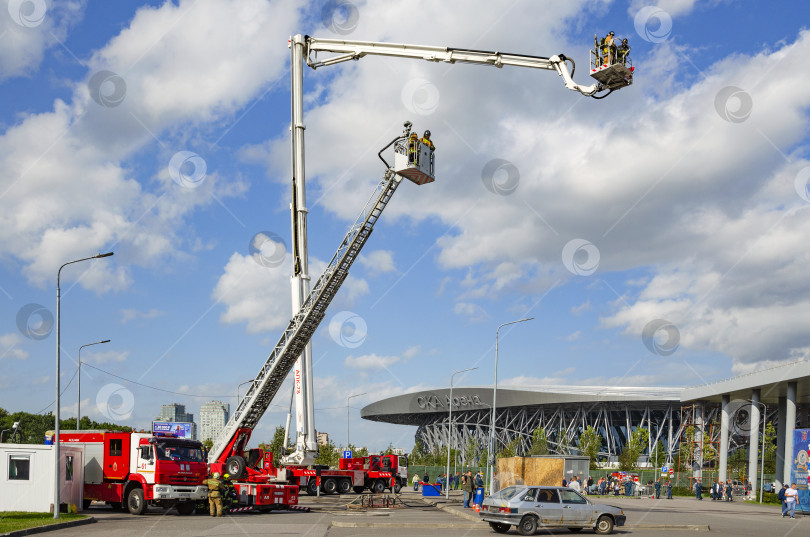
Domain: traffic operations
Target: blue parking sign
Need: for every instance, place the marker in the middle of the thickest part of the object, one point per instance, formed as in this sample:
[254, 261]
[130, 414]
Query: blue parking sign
[347, 454]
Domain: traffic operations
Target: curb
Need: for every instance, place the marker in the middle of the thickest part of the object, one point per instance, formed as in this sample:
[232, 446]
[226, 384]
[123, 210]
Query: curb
[686, 527]
[50, 527]
[422, 525]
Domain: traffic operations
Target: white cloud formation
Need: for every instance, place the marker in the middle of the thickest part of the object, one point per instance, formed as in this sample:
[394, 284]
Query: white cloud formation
[704, 200]
[132, 314]
[92, 357]
[371, 362]
[177, 65]
[11, 347]
[28, 29]
[378, 261]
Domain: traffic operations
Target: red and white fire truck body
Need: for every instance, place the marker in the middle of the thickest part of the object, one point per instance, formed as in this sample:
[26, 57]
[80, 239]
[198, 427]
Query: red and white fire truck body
[134, 470]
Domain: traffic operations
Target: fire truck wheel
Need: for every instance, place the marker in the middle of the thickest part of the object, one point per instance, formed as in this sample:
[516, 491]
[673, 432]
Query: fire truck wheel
[185, 508]
[136, 502]
[312, 487]
[329, 486]
[397, 488]
[358, 490]
[344, 486]
[379, 486]
[235, 466]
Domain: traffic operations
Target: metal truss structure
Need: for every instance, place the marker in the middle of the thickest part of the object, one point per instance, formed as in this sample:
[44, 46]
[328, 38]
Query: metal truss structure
[564, 423]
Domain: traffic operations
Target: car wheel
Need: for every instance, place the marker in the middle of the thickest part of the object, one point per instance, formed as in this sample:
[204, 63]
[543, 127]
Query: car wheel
[344, 486]
[499, 527]
[527, 526]
[604, 525]
[136, 502]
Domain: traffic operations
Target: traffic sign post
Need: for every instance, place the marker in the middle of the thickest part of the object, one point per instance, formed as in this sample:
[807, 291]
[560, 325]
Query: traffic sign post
[347, 454]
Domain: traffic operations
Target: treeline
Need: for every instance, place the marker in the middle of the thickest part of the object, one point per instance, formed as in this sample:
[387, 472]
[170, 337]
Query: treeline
[33, 427]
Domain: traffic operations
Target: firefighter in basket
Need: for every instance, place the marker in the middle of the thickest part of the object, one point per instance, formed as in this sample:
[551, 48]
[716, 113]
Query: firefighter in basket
[215, 490]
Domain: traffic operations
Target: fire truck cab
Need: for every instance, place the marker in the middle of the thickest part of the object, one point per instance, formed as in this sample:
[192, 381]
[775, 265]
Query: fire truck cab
[135, 470]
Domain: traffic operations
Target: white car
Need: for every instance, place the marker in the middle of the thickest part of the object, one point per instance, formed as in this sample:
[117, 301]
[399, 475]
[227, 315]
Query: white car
[529, 508]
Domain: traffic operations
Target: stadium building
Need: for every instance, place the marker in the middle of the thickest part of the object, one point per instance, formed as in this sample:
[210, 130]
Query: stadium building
[727, 414]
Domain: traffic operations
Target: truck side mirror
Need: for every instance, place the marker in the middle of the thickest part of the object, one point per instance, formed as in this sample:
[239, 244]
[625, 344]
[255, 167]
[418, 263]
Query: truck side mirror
[146, 452]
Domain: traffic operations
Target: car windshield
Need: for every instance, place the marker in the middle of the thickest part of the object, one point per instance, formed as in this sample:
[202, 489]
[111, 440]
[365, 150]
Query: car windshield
[508, 493]
[181, 453]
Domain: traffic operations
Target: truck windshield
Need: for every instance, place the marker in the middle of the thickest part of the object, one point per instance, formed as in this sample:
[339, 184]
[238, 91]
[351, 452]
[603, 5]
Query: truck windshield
[167, 451]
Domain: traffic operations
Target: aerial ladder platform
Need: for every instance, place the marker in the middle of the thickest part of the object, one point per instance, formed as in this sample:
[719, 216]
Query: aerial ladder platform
[229, 454]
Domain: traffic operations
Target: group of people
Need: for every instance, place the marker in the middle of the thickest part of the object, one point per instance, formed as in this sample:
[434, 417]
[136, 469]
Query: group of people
[789, 496]
[413, 145]
[610, 52]
[219, 490]
[468, 483]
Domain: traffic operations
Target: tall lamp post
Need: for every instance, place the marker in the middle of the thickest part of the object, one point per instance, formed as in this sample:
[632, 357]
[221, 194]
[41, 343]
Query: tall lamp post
[450, 429]
[58, 357]
[494, 396]
[79, 380]
[347, 415]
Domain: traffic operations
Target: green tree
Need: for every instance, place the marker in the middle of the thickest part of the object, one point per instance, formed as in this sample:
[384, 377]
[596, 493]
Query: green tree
[590, 442]
[208, 444]
[510, 449]
[539, 442]
[417, 456]
[634, 447]
[328, 454]
[34, 426]
[770, 448]
[659, 455]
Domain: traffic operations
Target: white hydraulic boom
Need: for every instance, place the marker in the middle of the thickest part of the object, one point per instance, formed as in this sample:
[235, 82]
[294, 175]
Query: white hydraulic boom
[306, 49]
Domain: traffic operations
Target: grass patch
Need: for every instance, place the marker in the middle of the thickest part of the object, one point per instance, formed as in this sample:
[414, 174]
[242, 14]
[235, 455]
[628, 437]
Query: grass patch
[21, 520]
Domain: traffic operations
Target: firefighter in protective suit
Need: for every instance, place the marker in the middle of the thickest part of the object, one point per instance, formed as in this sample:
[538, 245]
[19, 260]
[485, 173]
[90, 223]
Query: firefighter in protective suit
[215, 490]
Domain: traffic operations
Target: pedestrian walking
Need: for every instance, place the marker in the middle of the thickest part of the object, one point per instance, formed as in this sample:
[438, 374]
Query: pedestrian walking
[669, 490]
[658, 489]
[415, 482]
[729, 498]
[698, 489]
[467, 488]
[458, 480]
[791, 497]
[782, 499]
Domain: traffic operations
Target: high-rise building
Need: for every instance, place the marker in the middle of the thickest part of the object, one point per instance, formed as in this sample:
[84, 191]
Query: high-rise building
[213, 417]
[322, 438]
[175, 413]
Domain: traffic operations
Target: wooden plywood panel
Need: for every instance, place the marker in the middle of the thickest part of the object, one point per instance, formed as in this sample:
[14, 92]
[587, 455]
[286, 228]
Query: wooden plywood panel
[535, 471]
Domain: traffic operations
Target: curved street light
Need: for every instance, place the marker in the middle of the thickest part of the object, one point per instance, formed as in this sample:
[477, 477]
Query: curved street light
[58, 358]
[494, 396]
[79, 379]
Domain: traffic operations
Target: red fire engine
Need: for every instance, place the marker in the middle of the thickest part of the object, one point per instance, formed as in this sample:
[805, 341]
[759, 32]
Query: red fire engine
[134, 470]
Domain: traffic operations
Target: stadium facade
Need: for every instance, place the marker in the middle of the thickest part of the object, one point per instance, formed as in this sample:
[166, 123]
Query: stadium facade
[727, 414]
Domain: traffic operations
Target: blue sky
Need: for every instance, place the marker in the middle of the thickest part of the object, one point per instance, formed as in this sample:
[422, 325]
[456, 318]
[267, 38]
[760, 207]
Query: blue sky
[656, 236]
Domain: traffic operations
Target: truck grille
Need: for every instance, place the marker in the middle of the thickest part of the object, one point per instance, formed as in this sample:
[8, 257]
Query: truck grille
[181, 480]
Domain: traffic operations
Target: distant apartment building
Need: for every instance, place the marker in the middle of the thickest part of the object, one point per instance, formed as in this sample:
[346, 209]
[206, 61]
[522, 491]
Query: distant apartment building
[323, 438]
[213, 417]
[174, 413]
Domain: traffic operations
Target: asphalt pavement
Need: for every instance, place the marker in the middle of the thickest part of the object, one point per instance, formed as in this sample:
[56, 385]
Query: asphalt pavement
[330, 516]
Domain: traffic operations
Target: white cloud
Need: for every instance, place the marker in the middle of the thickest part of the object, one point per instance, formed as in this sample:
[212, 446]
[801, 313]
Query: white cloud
[371, 362]
[708, 206]
[574, 336]
[11, 347]
[92, 357]
[250, 292]
[183, 65]
[674, 8]
[132, 314]
[585, 306]
[378, 261]
[27, 33]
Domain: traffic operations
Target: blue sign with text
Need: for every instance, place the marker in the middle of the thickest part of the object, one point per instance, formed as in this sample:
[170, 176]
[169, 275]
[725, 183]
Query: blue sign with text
[347, 454]
[799, 472]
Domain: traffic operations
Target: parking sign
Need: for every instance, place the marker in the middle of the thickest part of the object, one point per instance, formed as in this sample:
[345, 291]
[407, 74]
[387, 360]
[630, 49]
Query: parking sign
[347, 454]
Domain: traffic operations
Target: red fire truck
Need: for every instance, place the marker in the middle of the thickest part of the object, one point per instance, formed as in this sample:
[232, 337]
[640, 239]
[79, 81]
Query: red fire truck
[134, 470]
[376, 472]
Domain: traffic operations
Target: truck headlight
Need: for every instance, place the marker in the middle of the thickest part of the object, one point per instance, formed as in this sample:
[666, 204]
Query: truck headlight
[161, 489]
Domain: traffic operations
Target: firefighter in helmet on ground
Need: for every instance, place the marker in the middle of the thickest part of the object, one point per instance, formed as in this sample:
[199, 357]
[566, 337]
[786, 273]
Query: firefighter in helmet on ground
[229, 497]
[215, 490]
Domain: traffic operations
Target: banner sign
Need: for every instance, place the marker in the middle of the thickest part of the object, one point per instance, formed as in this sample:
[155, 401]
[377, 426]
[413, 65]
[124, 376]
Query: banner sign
[178, 429]
[799, 472]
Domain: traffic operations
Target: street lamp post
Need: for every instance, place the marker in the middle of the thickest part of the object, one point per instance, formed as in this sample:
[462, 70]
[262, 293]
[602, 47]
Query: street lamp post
[79, 380]
[450, 430]
[58, 358]
[347, 415]
[494, 396]
[237, 390]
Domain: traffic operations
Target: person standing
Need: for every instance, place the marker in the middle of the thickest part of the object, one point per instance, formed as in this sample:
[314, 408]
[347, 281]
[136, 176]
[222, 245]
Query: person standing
[658, 489]
[782, 499]
[791, 498]
[728, 491]
[669, 490]
[215, 490]
[426, 478]
[574, 484]
[467, 488]
[415, 482]
[698, 489]
[458, 480]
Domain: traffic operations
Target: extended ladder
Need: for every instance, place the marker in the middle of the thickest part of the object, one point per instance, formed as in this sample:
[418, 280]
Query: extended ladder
[267, 383]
